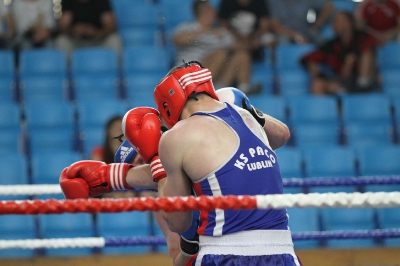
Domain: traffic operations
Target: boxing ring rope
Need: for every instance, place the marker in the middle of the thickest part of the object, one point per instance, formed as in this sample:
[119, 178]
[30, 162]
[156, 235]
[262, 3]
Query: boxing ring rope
[332, 200]
[100, 242]
[33, 190]
[170, 204]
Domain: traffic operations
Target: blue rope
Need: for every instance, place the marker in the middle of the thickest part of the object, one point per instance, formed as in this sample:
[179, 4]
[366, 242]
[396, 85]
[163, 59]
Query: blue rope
[377, 233]
[342, 181]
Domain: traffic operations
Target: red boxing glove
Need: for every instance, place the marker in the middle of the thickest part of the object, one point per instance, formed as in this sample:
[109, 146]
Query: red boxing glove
[90, 178]
[142, 128]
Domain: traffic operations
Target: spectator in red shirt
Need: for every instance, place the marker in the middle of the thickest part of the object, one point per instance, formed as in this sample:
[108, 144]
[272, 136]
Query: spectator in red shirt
[344, 64]
[380, 18]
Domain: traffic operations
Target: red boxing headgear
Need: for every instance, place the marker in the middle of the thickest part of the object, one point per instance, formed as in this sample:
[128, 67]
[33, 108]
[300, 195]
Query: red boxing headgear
[172, 91]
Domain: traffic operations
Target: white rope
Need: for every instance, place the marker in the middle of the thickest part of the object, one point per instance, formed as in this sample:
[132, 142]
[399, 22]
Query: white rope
[341, 199]
[31, 190]
[78, 242]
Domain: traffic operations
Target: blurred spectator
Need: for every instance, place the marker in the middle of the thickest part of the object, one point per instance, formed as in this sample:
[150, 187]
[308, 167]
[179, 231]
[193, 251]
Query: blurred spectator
[349, 60]
[34, 23]
[87, 23]
[292, 20]
[106, 151]
[215, 47]
[110, 145]
[380, 18]
[249, 22]
[7, 26]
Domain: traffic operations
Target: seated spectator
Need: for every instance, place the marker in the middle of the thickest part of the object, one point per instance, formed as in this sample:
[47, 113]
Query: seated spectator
[380, 18]
[34, 23]
[7, 27]
[110, 145]
[290, 20]
[87, 23]
[349, 60]
[248, 21]
[215, 47]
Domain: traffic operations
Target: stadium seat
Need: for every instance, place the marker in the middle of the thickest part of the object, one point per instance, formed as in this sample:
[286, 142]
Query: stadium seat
[390, 81]
[94, 61]
[10, 127]
[50, 125]
[288, 56]
[10, 116]
[139, 59]
[389, 218]
[329, 162]
[95, 86]
[126, 224]
[43, 62]
[11, 140]
[274, 106]
[17, 227]
[49, 140]
[379, 160]
[97, 112]
[13, 170]
[366, 108]
[334, 219]
[7, 67]
[7, 76]
[138, 36]
[313, 110]
[345, 5]
[387, 156]
[333, 162]
[48, 115]
[135, 14]
[290, 163]
[47, 167]
[296, 215]
[294, 83]
[173, 18]
[67, 225]
[7, 90]
[358, 135]
[44, 88]
[91, 136]
[262, 73]
[388, 56]
[315, 135]
[396, 109]
[139, 88]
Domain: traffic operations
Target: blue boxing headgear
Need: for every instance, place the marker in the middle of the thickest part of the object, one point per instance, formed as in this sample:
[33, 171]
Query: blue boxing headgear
[233, 96]
[125, 153]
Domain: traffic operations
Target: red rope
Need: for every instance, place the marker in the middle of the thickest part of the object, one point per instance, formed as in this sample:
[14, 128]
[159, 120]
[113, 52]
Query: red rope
[52, 206]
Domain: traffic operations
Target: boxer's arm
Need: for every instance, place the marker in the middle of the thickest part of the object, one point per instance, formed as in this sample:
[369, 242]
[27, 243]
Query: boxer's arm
[173, 242]
[141, 177]
[172, 149]
[278, 133]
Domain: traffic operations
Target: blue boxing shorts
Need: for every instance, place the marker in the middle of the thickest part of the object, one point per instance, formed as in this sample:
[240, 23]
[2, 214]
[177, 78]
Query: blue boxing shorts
[256, 247]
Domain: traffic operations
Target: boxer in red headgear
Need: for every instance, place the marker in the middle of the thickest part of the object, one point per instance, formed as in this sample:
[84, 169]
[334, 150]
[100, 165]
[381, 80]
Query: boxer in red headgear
[180, 84]
[216, 149]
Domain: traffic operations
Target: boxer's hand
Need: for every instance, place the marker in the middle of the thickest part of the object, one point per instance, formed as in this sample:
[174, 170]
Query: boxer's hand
[91, 178]
[189, 243]
[141, 127]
